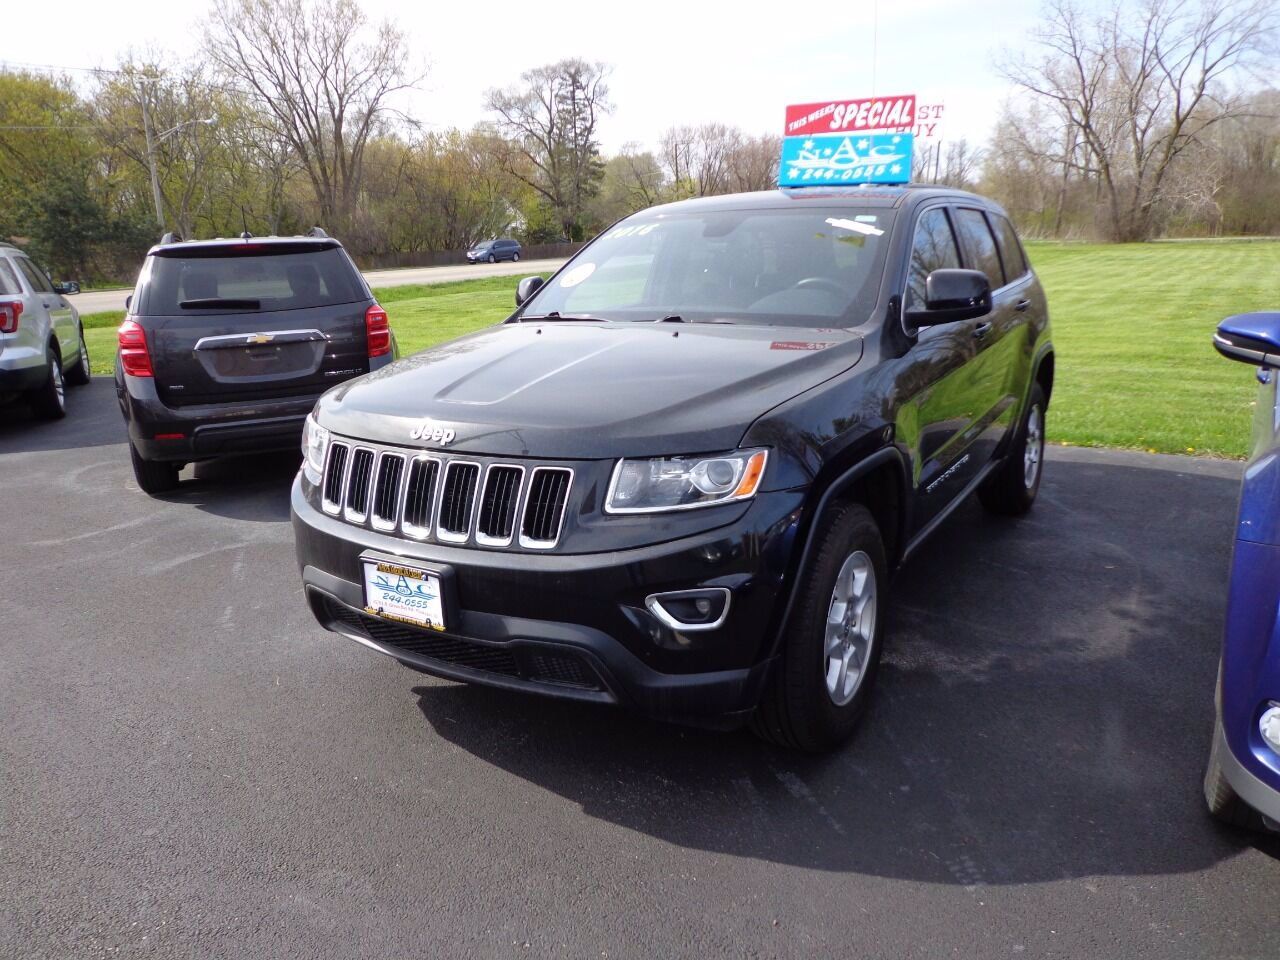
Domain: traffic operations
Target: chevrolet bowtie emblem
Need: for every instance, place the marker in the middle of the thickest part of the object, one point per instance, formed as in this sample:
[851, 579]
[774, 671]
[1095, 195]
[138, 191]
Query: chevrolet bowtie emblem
[259, 338]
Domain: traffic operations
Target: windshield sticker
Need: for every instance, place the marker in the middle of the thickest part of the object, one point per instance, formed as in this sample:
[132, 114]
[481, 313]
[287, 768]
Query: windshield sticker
[865, 218]
[638, 230]
[577, 274]
[801, 344]
[856, 226]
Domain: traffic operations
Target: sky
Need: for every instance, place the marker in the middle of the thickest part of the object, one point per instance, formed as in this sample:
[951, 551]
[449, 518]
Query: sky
[686, 62]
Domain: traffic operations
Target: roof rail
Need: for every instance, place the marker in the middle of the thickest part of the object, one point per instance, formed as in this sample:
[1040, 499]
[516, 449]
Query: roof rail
[171, 237]
[316, 232]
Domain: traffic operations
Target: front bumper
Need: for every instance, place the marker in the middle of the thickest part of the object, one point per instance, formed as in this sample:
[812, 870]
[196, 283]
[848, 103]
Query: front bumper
[1248, 787]
[574, 626]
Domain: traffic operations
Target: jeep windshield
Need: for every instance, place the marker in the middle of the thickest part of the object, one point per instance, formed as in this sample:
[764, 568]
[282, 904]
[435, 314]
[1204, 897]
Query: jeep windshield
[801, 268]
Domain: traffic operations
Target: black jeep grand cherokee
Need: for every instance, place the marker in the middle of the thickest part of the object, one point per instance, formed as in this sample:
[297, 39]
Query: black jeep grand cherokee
[679, 476]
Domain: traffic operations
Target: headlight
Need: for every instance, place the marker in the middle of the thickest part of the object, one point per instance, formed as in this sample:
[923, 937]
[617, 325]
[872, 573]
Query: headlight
[315, 444]
[683, 483]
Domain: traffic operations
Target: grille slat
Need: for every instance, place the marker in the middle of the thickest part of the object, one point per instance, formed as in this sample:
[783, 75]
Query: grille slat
[498, 504]
[457, 500]
[357, 504]
[544, 510]
[420, 497]
[386, 494]
[335, 473]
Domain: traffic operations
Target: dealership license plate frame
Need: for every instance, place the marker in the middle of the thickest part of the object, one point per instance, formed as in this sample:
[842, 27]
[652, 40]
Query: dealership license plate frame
[427, 573]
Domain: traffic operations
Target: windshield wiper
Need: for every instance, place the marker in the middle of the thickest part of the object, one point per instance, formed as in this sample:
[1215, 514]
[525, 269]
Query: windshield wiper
[671, 318]
[213, 303]
[557, 315]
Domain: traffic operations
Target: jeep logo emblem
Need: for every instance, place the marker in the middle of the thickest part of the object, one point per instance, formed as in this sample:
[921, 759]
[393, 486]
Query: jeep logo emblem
[429, 432]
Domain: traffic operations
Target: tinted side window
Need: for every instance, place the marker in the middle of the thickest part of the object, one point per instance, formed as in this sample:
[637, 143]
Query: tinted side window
[1015, 262]
[932, 248]
[8, 279]
[39, 282]
[980, 245]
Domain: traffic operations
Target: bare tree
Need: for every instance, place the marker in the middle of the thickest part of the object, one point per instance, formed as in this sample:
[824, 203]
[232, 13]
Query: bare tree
[1135, 89]
[550, 121]
[324, 77]
[714, 158]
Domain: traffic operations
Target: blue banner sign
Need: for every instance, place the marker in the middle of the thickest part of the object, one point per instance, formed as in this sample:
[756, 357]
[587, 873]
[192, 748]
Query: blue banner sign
[845, 158]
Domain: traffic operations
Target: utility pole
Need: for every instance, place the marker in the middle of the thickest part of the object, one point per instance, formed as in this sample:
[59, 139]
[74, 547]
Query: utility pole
[151, 160]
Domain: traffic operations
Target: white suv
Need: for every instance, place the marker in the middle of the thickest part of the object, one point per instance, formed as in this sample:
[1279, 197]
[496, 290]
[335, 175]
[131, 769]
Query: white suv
[41, 340]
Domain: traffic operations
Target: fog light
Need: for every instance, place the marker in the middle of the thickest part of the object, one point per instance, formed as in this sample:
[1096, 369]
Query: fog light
[690, 610]
[1269, 726]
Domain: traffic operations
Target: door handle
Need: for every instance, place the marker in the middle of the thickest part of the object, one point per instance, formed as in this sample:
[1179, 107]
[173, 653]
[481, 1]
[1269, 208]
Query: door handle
[1022, 305]
[981, 330]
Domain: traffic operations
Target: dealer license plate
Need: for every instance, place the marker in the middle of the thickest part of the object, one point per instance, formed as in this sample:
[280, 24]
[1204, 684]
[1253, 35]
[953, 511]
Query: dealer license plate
[403, 593]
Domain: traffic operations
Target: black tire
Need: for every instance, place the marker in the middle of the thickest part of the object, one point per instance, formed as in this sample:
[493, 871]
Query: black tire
[49, 400]
[798, 710]
[1223, 802]
[154, 476]
[492, 258]
[1008, 491]
[80, 373]
[515, 258]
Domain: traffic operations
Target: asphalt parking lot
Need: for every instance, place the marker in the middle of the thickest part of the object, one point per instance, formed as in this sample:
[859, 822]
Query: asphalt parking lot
[189, 767]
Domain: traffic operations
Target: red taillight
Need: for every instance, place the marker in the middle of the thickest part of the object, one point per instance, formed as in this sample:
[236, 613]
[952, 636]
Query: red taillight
[9, 314]
[134, 357]
[375, 324]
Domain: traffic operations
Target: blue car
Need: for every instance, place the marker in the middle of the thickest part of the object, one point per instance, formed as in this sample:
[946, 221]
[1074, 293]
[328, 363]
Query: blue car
[1242, 782]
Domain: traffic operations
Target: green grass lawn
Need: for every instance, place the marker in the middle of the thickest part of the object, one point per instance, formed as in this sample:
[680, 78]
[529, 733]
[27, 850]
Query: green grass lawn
[1132, 329]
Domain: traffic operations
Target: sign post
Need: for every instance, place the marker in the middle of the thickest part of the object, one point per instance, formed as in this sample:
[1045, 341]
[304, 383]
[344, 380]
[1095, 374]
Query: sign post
[848, 142]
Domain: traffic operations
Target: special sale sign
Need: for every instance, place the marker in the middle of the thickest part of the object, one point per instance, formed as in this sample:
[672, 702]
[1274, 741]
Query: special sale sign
[848, 141]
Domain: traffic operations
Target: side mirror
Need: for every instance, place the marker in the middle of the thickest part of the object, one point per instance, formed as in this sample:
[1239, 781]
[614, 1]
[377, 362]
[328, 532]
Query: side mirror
[68, 287]
[1251, 337]
[951, 295]
[526, 288]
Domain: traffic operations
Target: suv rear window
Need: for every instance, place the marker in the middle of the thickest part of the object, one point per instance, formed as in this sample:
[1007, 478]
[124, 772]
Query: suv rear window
[289, 280]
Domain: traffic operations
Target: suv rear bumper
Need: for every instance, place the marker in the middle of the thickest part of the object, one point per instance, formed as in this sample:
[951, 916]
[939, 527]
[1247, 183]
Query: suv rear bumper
[204, 431]
[573, 626]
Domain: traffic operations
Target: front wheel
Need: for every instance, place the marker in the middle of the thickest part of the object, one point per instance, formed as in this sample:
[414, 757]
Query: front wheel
[1012, 489]
[154, 476]
[515, 258]
[824, 675]
[492, 258]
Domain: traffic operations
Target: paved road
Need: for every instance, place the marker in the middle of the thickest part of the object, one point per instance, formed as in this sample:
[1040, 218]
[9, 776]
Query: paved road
[99, 301]
[190, 768]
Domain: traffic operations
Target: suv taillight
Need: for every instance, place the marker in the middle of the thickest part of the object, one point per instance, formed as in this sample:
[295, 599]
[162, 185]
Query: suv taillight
[9, 314]
[134, 356]
[379, 331]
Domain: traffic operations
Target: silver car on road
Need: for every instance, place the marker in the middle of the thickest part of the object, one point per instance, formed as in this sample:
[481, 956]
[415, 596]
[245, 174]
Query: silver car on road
[42, 344]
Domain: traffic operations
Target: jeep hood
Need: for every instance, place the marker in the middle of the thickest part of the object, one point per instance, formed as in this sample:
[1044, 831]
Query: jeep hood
[589, 390]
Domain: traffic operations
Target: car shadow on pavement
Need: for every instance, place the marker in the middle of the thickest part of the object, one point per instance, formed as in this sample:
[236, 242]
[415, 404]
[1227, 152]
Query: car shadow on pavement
[254, 487]
[93, 420]
[1044, 708]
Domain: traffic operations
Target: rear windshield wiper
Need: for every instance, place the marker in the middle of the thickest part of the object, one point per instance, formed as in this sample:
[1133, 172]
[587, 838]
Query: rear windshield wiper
[214, 303]
[557, 315]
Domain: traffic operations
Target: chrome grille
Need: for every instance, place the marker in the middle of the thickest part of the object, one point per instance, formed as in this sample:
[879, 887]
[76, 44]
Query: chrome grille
[457, 501]
[356, 507]
[425, 496]
[420, 497]
[386, 491]
[544, 507]
[498, 503]
[334, 474]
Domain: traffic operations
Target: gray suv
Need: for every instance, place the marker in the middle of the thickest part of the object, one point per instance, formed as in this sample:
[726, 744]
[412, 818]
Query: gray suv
[42, 344]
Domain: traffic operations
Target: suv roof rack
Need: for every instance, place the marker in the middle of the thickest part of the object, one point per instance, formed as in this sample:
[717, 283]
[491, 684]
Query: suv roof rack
[316, 232]
[171, 237]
